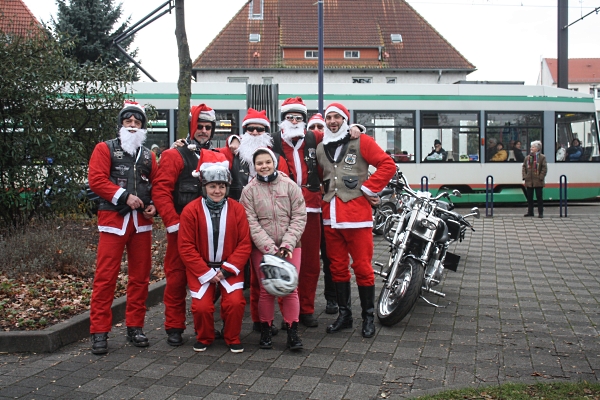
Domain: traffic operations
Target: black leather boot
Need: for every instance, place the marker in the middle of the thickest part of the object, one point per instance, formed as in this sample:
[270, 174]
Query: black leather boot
[344, 319]
[367, 303]
[137, 337]
[99, 343]
[293, 341]
[265, 336]
[174, 337]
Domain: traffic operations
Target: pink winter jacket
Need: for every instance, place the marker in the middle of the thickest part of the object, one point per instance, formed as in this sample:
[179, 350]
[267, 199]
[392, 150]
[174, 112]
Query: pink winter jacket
[276, 213]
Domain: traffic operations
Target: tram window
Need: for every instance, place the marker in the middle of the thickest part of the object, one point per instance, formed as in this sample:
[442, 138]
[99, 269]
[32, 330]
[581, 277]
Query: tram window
[508, 135]
[392, 131]
[576, 137]
[450, 136]
[158, 130]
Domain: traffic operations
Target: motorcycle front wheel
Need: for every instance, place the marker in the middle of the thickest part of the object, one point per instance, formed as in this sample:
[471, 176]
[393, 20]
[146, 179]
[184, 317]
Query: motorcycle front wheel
[395, 303]
[381, 222]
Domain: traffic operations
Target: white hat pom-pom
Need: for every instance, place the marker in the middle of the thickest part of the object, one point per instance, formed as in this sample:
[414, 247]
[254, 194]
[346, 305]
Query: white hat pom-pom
[191, 146]
[196, 174]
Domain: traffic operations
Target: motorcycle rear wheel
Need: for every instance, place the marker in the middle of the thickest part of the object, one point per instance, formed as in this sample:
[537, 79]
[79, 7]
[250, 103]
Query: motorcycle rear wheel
[394, 304]
[381, 222]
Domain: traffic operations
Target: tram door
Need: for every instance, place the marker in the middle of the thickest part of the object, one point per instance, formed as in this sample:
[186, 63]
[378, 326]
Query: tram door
[265, 97]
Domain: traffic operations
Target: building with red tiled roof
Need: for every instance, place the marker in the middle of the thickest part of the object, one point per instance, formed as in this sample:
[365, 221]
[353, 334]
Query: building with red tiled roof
[365, 41]
[17, 19]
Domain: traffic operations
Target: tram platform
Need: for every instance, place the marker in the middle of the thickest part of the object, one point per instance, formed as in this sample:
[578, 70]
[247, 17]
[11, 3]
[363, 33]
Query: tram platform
[524, 306]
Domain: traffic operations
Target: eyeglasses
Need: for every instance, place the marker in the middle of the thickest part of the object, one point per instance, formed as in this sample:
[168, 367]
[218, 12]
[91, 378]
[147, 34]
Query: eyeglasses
[255, 128]
[205, 127]
[297, 118]
[318, 126]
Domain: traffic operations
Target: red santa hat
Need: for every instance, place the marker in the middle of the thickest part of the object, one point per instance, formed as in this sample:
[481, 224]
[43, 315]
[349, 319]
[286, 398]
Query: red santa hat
[201, 112]
[314, 120]
[338, 108]
[262, 150]
[293, 104]
[256, 117]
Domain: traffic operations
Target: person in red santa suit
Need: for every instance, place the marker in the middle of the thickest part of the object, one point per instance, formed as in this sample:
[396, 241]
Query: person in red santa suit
[349, 193]
[316, 123]
[215, 244]
[174, 188]
[256, 126]
[121, 172]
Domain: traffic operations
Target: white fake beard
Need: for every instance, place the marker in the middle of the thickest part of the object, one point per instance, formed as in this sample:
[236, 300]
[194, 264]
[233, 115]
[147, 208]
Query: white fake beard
[131, 141]
[249, 143]
[290, 131]
[329, 136]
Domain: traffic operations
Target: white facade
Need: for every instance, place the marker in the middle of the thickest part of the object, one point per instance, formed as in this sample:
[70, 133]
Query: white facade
[342, 76]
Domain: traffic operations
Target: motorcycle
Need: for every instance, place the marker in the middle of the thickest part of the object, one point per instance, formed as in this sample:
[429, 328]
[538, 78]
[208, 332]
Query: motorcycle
[426, 227]
[390, 203]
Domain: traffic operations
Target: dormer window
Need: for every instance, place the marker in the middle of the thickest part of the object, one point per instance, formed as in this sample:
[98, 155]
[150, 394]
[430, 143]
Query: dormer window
[311, 54]
[396, 38]
[254, 38]
[351, 54]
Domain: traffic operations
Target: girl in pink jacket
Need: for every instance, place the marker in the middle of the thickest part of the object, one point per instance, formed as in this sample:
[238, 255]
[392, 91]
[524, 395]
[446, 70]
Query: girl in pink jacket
[277, 216]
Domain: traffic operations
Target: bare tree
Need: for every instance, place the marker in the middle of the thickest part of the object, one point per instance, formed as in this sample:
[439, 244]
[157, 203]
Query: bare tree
[184, 84]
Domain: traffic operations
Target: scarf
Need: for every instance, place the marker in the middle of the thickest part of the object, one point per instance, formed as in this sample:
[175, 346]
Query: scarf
[331, 147]
[268, 178]
[532, 162]
[215, 207]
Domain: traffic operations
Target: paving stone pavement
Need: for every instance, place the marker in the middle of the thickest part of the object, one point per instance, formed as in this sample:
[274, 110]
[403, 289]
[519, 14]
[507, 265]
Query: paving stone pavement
[523, 307]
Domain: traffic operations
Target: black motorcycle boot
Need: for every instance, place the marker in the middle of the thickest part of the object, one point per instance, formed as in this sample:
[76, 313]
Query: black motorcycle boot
[174, 337]
[344, 319]
[99, 343]
[136, 336]
[293, 341]
[367, 303]
[265, 336]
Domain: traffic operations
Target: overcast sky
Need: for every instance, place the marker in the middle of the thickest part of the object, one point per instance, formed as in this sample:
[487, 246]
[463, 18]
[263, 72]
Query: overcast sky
[504, 39]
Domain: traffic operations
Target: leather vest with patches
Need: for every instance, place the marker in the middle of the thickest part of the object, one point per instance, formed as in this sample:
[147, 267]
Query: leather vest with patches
[129, 173]
[343, 177]
[187, 187]
[313, 182]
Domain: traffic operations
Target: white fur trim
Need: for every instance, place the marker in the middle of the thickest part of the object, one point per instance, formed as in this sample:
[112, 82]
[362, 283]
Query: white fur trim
[230, 288]
[294, 107]
[233, 267]
[337, 110]
[207, 276]
[118, 194]
[367, 191]
[345, 225]
[230, 139]
[260, 121]
[173, 228]
[313, 210]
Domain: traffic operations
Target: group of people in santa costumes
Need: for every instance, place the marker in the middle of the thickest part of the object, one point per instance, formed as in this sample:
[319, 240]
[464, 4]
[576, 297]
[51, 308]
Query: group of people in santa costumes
[125, 175]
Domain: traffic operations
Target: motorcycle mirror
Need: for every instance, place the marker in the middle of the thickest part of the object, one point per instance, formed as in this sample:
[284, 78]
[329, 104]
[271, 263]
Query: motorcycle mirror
[456, 193]
[475, 212]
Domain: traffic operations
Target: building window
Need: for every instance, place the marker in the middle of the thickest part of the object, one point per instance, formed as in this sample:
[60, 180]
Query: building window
[237, 79]
[394, 132]
[351, 54]
[396, 38]
[254, 37]
[362, 80]
[457, 132]
[515, 131]
[576, 137]
[267, 80]
[311, 54]
[390, 80]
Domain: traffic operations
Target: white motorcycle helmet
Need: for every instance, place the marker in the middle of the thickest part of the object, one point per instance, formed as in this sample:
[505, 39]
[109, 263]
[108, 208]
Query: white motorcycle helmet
[281, 277]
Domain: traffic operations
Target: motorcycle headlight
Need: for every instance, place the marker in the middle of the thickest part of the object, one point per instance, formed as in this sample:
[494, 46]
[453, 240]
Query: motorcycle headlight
[428, 224]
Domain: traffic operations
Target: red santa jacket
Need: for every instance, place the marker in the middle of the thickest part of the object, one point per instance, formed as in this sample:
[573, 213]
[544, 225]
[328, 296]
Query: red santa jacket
[196, 247]
[100, 183]
[171, 166]
[295, 158]
[357, 212]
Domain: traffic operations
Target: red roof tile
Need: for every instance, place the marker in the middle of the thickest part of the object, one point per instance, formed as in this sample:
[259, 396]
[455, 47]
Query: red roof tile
[355, 24]
[581, 70]
[16, 18]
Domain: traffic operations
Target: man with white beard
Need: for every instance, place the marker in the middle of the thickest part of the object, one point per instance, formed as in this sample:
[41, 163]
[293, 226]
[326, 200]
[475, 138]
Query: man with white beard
[121, 171]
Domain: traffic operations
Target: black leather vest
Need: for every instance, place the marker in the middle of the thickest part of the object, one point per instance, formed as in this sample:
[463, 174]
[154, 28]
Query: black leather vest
[187, 187]
[130, 173]
[240, 174]
[310, 158]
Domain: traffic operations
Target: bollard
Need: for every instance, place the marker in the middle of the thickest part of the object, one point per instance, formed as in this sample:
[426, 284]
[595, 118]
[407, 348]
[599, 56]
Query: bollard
[424, 187]
[562, 194]
[489, 196]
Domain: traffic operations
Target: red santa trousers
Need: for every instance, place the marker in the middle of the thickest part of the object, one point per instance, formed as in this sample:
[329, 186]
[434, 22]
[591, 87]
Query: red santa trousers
[232, 314]
[358, 242]
[108, 265]
[289, 305]
[310, 266]
[175, 289]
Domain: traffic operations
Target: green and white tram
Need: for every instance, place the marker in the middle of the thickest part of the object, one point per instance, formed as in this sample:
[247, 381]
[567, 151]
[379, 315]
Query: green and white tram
[406, 120]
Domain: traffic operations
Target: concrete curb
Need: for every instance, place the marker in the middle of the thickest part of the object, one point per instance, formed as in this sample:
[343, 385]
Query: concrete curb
[72, 330]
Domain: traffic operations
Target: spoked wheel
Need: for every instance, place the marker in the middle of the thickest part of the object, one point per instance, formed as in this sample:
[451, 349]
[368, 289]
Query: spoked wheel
[381, 222]
[395, 303]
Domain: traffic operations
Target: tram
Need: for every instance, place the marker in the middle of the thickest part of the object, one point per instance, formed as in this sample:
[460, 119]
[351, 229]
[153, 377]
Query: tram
[469, 120]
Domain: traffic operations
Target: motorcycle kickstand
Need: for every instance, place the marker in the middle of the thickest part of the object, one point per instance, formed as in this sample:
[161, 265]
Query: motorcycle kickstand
[430, 303]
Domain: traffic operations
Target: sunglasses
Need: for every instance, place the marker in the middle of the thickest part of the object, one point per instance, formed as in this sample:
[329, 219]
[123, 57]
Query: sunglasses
[318, 126]
[297, 118]
[205, 127]
[255, 128]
